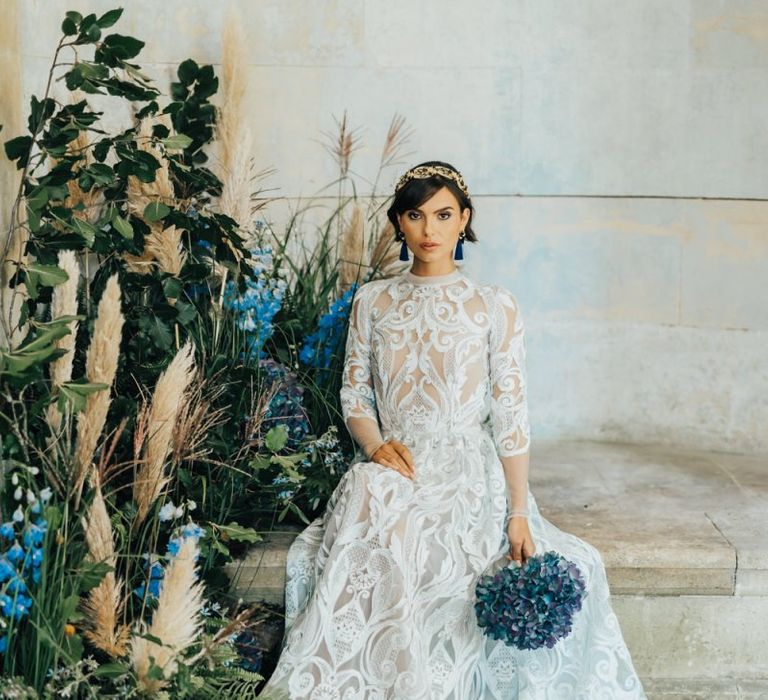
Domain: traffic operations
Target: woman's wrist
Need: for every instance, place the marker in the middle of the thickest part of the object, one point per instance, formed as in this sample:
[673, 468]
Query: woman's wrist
[521, 513]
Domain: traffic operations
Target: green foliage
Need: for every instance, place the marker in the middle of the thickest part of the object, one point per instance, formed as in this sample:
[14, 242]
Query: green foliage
[241, 475]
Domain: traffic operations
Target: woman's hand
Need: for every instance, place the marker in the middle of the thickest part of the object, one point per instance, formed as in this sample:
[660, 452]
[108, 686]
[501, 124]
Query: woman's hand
[395, 455]
[521, 545]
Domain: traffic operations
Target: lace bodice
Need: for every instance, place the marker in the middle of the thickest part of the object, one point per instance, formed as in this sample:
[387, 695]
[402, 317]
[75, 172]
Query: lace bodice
[436, 355]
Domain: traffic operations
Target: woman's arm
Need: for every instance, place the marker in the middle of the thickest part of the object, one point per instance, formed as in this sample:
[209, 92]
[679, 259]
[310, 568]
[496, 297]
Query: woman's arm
[358, 403]
[509, 404]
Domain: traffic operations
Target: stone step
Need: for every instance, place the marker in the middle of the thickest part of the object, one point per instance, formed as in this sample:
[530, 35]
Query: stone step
[705, 689]
[683, 539]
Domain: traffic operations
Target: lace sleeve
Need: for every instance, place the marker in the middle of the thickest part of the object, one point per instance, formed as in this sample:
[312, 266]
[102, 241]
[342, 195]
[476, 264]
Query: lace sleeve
[509, 404]
[358, 402]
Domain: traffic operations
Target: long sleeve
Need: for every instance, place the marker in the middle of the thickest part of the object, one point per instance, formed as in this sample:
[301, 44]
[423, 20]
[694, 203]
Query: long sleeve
[509, 404]
[358, 402]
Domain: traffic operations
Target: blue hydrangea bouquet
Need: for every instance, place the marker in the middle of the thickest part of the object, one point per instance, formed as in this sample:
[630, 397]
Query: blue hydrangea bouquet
[532, 605]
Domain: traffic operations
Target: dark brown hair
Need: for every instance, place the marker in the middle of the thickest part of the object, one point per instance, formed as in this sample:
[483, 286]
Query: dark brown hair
[417, 191]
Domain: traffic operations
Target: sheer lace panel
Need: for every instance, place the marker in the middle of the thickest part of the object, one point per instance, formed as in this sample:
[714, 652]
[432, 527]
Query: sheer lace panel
[358, 400]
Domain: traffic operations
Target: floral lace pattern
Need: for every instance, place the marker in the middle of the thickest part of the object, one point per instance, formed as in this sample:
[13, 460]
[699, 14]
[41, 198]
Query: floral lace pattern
[380, 588]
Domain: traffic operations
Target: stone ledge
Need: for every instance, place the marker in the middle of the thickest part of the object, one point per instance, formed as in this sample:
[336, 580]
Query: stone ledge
[667, 521]
[705, 689]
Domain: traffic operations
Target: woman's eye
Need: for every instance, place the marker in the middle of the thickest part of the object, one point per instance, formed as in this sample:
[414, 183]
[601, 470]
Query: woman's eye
[447, 215]
[412, 214]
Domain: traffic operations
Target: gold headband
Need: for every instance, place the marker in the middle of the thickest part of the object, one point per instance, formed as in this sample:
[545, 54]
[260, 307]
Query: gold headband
[422, 171]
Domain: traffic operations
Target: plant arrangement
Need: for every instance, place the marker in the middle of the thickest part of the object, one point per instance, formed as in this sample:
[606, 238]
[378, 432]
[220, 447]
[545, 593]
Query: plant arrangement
[169, 373]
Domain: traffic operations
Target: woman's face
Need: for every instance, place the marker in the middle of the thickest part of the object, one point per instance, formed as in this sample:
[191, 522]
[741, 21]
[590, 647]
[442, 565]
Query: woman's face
[437, 221]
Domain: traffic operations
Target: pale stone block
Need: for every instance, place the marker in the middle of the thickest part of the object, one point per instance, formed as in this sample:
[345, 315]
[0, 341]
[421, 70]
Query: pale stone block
[696, 637]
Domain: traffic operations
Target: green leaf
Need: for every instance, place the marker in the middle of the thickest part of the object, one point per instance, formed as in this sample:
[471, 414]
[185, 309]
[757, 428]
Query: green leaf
[39, 112]
[69, 27]
[111, 670]
[102, 174]
[37, 198]
[123, 227]
[109, 18]
[45, 339]
[76, 395]
[18, 149]
[172, 287]
[187, 71]
[91, 576]
[87, 230]
[17, 363]
[101, 149]
[154, 211]
[235, 531]
[149, 637]
[186, 312]
[298, 511]
[176, 142]
[161, 334]
[116, 48]
[276, 438]
[47, 275]
[69, 605]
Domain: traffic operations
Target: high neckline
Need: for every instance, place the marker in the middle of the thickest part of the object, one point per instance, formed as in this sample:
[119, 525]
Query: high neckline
[452, 276]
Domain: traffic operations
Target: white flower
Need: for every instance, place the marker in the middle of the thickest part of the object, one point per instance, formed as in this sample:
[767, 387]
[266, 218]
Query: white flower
[170, 512]
[18, 493]
[15, 478]
[167, 512]
[18, 515]
[191, 505]
[31, 498]
[34, 471]
[45, 494]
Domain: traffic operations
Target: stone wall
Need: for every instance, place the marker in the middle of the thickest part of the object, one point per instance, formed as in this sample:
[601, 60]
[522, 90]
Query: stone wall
[617, 154]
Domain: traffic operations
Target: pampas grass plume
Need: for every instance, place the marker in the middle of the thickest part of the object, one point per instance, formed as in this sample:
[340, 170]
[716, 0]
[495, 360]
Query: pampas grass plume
[351, 257]
[170, 393]
[100, 367]
[64, 303]
[176, 622]
[103, 604]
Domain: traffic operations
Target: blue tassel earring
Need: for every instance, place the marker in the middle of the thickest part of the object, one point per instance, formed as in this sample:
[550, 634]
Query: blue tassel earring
[459, 252]
[404, 251]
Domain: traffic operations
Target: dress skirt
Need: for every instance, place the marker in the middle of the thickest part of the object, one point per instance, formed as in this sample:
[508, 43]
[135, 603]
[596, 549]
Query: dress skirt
[380, 591]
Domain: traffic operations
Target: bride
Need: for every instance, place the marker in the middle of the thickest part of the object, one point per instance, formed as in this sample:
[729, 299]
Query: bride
[380, 589]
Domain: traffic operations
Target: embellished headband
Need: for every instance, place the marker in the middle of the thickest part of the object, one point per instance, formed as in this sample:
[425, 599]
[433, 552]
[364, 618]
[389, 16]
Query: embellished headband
[422, 171]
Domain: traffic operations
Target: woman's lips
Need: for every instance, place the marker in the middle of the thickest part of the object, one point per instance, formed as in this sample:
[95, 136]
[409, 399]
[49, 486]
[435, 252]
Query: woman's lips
[429, 246]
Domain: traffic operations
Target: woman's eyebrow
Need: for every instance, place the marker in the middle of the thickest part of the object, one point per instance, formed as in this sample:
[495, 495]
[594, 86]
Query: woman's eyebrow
[441, 208]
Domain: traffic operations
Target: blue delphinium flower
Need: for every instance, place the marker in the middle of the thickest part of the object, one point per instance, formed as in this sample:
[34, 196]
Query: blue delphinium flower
[320, 345]
[16, 606]
[156, 570]
[151, 588]
[258, 305]
[21, 556]
[192, 530]
[16, 553]
[34, 534]
[533, 605]
[7, 570]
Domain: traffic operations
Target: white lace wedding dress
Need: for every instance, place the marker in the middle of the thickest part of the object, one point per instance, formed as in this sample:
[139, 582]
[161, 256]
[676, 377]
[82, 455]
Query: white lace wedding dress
[380, 590]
